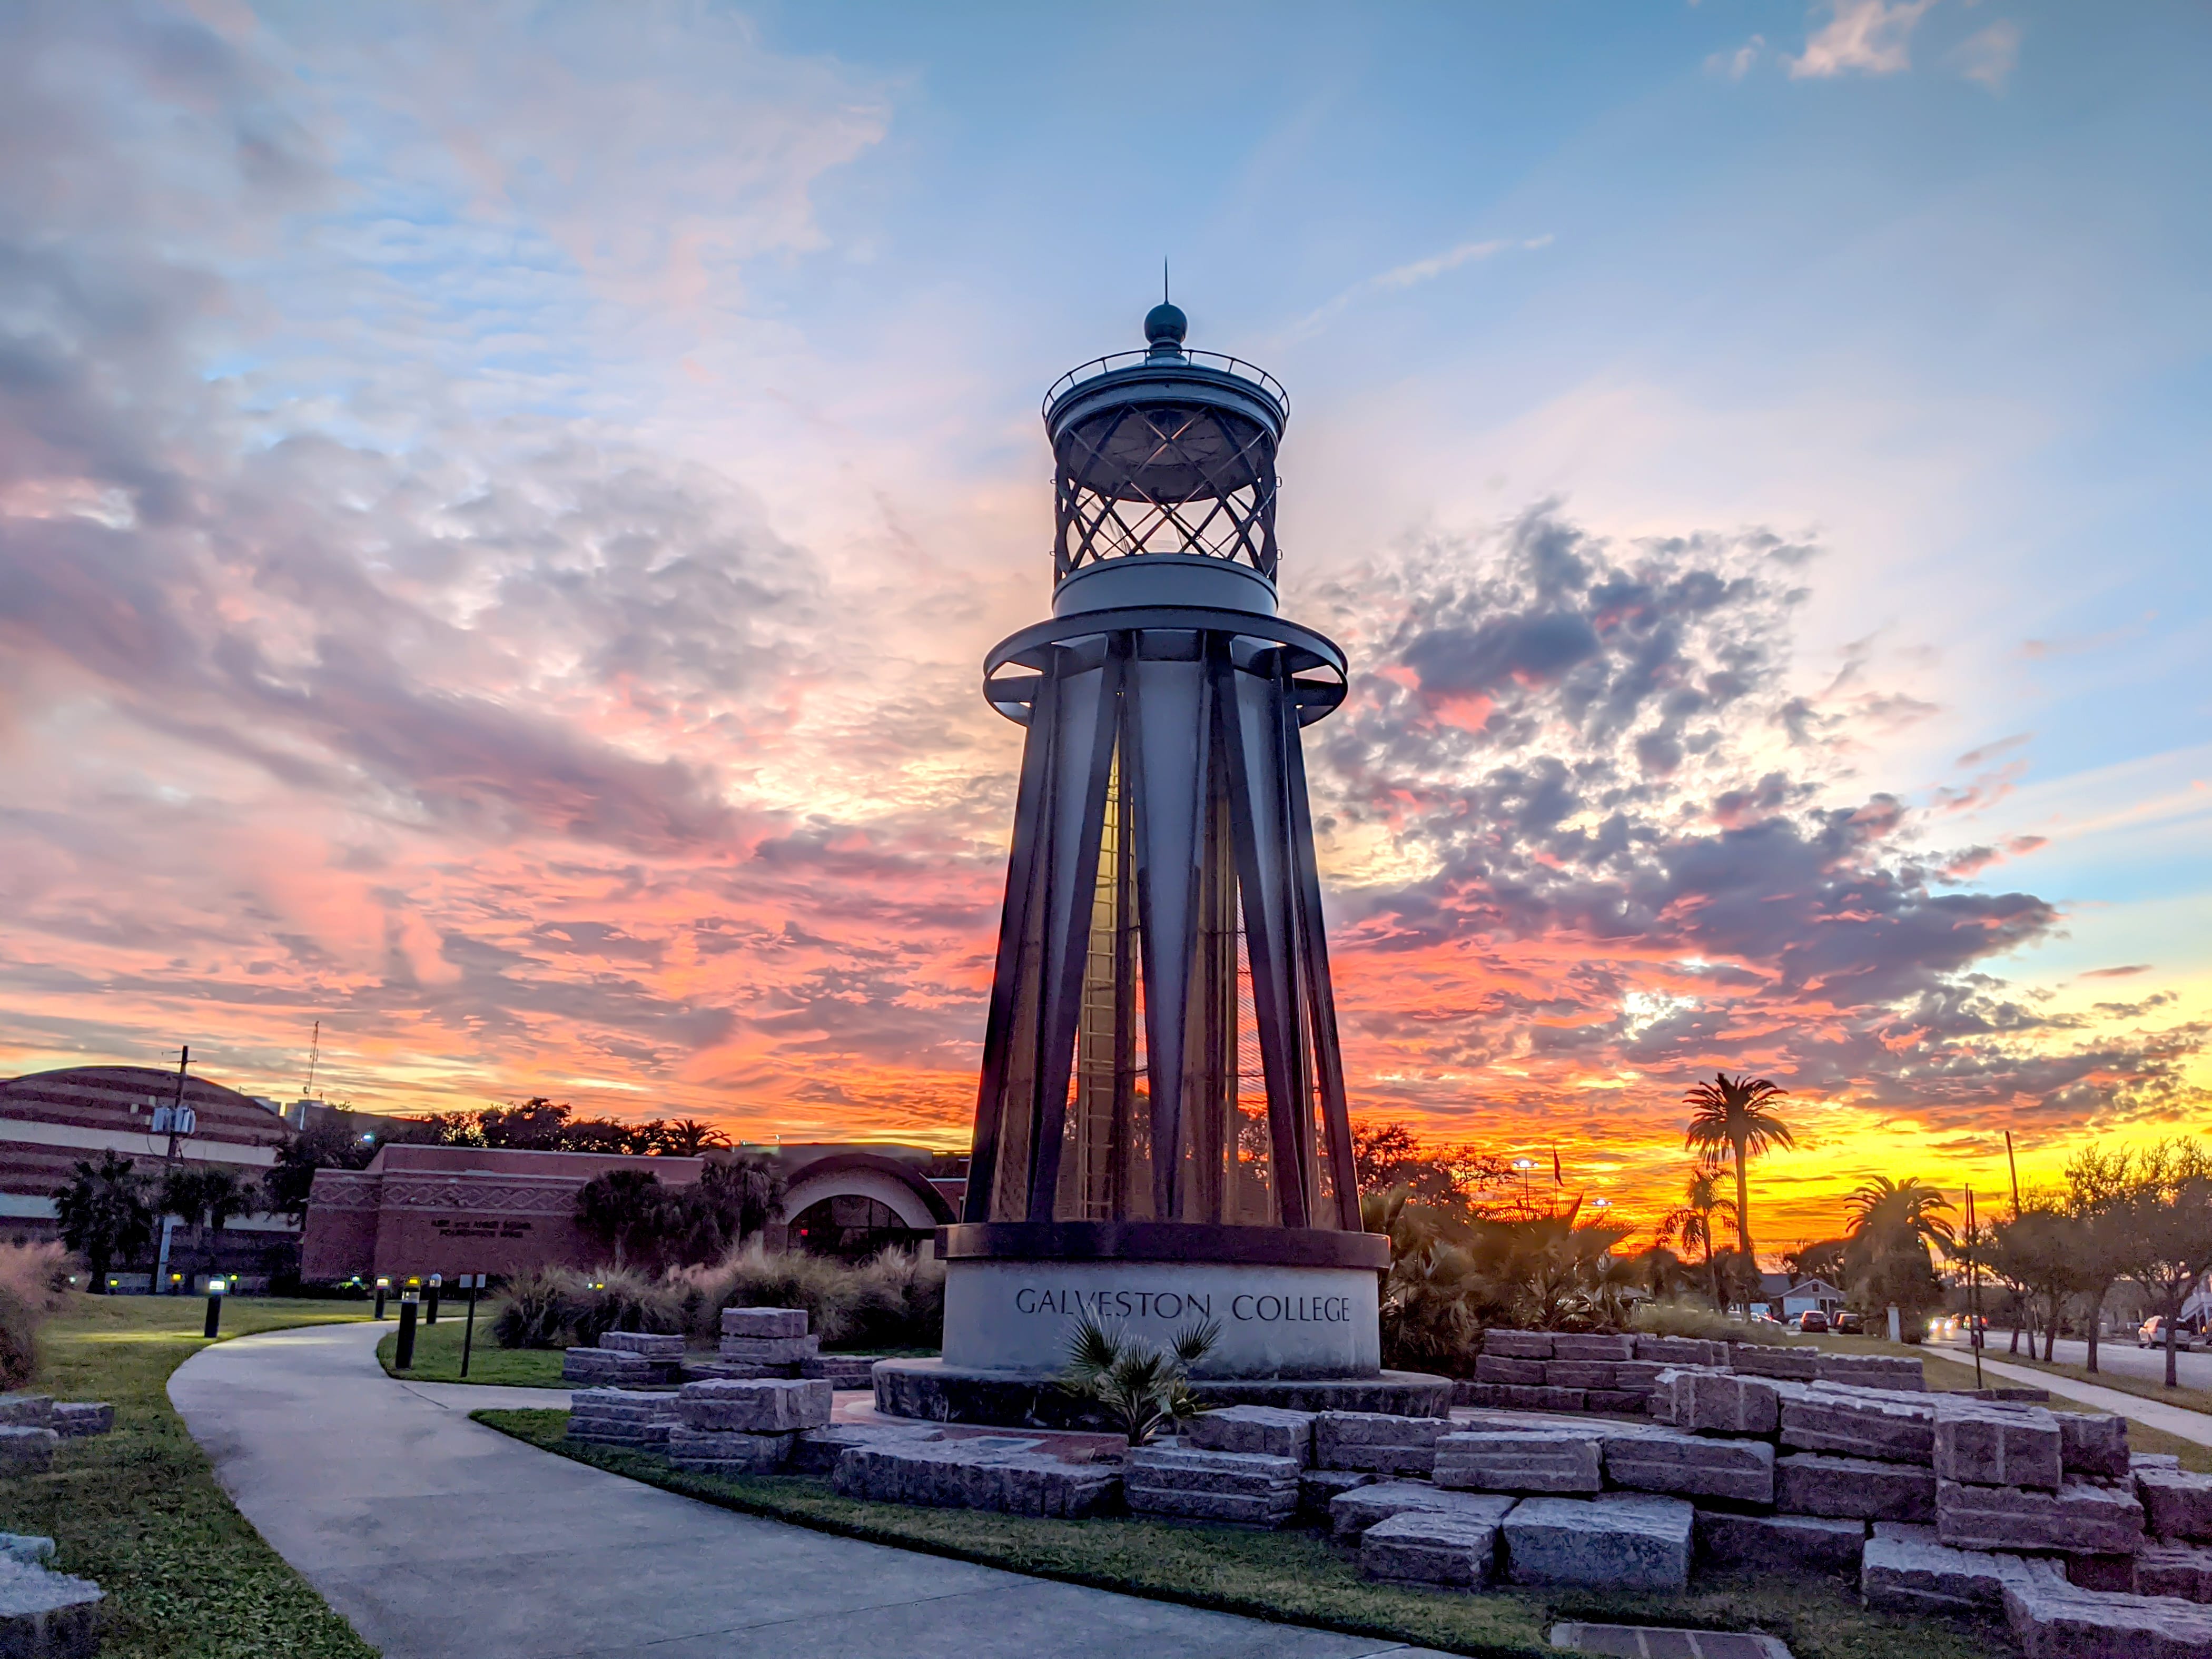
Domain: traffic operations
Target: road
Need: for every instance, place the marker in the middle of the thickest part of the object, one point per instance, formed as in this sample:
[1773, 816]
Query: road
[440, 1539]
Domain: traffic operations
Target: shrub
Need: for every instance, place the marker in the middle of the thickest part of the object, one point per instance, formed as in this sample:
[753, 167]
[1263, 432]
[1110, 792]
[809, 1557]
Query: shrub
[1140, 1388]
[892, 1300]
[559, 1308]
[33, 1283]
[536, 1311]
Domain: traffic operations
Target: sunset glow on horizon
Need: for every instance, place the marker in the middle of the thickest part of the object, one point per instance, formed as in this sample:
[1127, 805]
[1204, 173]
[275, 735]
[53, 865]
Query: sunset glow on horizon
[502, 508]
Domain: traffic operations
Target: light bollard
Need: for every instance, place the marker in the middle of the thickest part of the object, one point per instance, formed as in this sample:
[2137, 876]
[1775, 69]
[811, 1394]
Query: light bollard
[383, 1290]
[216, 1288]
[431, 1313]
[405, 1360]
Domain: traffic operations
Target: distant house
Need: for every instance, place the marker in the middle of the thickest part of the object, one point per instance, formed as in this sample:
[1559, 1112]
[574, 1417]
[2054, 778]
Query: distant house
[1787, 1295]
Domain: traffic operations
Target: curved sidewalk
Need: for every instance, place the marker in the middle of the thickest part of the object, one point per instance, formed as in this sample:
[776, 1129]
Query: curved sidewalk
[2176, 1420]
[440, 1539]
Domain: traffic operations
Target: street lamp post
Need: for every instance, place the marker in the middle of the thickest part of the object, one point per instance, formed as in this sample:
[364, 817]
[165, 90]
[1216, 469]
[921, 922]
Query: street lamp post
[383, 1290]
[431, 1313]
[216, 1288]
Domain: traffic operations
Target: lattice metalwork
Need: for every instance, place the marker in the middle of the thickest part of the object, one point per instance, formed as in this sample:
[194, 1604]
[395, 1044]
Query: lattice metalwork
[1165, 477]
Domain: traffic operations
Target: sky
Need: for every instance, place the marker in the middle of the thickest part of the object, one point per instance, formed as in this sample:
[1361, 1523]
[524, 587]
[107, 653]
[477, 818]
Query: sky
[501, 509]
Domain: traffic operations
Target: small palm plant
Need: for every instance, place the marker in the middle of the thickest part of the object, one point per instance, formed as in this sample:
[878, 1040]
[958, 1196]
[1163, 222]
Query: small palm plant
[1140, 1387]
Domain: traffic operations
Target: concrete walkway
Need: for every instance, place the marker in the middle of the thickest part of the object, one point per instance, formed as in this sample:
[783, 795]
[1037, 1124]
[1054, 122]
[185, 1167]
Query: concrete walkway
[2175, 1420]
[440, 1539]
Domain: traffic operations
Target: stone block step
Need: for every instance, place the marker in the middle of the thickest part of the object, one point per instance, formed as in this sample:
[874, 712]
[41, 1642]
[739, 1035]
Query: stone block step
[2082, 1517]
[1984, 1443]
[1374, 1442]
[1778, 1543]
[45, 1614]
[765, 1322]
[1907, 1568]
[1690, 1465]
[768, 1406]
[1853, 1488]
[1430, 1546]
[1265, 1431]
[1623, 1540]
[1352, 1513]
[1526, 1462]
[2176, 1503]
[977, 1475]
[2052, 1618]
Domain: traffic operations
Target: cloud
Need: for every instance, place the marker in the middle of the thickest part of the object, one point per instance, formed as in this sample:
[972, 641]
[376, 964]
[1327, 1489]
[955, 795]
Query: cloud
[1740, 63]
[1990, 56]
[1411, 274]
[1868, 37]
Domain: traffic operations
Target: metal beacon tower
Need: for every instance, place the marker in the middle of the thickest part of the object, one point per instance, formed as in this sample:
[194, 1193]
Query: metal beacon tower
[1161, 1138]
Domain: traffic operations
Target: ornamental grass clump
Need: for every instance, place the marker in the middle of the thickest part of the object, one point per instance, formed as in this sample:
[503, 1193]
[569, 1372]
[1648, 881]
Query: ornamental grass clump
[560, 1308]
[895, 1299]
[1140, 1386]
[33, 1283]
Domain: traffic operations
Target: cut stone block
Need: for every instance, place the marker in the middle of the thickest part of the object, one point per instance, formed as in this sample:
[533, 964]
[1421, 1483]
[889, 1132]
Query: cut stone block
[1571, 1345]
[1874, 1371]
[46, 1614]
[1615, 1399]
[1984, 1444]
[2176, 1503]
[616, 1417]
[1546, 1399]
[2080, 1518]
[973, 1475]
[1533, 1461]
[706, 1451]
[1496, 1368]
[1719, 1402]
[1690, 1465]
[1350, 1514]
[1637, 1374]
[2153, 1461]
[2115, 1573]
[1660, 1405]
[1853, 1422]
[1792, 1365]
[840, 1370]
[1374, 1442]
[1682, 1351]
[27, 1411]
[2051, 1618]
[1212, 1485]
[1622, 1541]
[767, 1322]
[595, 1368]
[1425, 1547]
[2182, 1570]
[1265, 1431]
[1518, 1345]
[27, 1548]
[26, 1450]
[75, 1418]
[650, 1344]
[770, 1405]
[815, 1451]
[1906, 1569]
[1582, 1373]
[1319, 1488]
[1778, 1543]
[1853, 1488]
[1483, 1396]
[770, 1350]
[2093, 1442]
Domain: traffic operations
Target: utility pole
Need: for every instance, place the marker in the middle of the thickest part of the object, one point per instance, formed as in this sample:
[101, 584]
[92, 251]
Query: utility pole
[177, 1107]
[314, 1054]
[1973, 1288]
[2014, 1168]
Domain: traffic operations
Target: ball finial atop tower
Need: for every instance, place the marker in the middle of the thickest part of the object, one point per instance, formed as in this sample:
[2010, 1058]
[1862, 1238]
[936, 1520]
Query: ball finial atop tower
[1165, 325]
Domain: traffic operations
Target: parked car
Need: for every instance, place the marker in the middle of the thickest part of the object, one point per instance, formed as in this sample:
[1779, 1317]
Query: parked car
[2152, 1334]
[1847, 1323]
[1813, 1321]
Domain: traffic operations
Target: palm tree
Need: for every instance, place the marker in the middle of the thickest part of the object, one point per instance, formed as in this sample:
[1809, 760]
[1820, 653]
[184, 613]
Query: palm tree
[1731, 1117]
[687, 1138]
[207, 1200]
[1889, 1214]
[104, 1215]
[1702, 1206]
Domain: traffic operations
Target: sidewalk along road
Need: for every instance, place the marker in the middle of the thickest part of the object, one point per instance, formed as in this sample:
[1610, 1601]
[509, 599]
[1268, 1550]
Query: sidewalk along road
[440, 1539]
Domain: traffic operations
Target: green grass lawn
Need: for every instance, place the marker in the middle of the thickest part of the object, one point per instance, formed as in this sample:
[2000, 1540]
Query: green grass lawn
[438, 1356]
[186, 1576]
[1296, 1576]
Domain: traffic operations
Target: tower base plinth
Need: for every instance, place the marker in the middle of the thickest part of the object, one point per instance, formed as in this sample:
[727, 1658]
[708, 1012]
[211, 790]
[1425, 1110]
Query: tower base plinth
[937, 1392]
